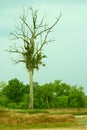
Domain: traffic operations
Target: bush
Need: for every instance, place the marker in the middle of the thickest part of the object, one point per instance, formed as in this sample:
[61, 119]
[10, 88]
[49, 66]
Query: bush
[23, 105]
[4, 101]
[12, 105]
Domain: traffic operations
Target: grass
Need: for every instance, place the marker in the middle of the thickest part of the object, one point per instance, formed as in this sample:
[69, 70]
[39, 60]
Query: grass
[34, 111]
[73, 111]
[35, 126]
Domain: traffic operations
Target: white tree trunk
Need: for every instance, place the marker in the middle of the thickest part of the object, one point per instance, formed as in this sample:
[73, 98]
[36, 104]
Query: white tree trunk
[31, 101]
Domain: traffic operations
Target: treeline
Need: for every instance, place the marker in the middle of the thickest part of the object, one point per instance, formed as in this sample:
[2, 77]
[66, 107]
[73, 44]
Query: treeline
[58, 94]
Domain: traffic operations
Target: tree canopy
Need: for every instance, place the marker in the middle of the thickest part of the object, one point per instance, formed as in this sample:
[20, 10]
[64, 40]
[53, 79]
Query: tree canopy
[50, 95]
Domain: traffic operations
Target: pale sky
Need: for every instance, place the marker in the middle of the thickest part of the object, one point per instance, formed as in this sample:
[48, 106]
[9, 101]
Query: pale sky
[66, 57]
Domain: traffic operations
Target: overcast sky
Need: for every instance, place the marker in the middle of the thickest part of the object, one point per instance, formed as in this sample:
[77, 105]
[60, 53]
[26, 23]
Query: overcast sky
[66, 57]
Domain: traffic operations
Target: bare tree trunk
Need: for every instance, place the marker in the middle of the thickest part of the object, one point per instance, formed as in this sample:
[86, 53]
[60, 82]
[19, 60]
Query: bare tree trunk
[31, 101]
[47, 102]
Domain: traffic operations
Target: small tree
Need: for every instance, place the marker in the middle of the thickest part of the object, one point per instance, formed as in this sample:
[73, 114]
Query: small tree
[33, 37]
[14, 91]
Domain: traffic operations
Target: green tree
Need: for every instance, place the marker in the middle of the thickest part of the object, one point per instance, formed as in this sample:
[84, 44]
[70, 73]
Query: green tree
[14, 90]
[44, 96]
[33, 37]
[2, 85]
[76, 97]
[3, 99]
[61, 93]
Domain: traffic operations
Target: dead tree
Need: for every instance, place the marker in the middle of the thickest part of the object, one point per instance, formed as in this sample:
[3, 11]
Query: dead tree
[31, 39]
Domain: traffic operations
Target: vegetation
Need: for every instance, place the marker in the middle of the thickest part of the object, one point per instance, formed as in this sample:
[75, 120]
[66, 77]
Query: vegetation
[36, 126]
[31, 37]
[55, 103]
[58, 94]
[22, 119]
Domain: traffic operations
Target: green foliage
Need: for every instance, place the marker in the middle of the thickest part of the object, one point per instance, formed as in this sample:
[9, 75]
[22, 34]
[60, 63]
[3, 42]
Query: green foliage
[59, 95]
[63, 101]
[4, 101]
[76, 97]
[12, 105]
[34, 111]
[25, 102]
[14, 90]
[2, 85]
[52, 95]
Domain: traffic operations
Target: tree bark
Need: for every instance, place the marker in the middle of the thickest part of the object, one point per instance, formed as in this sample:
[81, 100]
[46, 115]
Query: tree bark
[47, 102]
[31, 101]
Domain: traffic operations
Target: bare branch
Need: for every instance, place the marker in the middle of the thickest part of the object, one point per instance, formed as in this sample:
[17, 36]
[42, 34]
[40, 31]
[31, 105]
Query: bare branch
[43, 42]
[14, 50]
[24, 21]
[18, 61]
[34, 38]
[23, 37]
[41, 25]
[45, 30]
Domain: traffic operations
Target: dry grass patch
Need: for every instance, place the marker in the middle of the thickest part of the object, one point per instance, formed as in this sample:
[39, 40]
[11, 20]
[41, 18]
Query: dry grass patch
[10, 119]
[20, 118]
